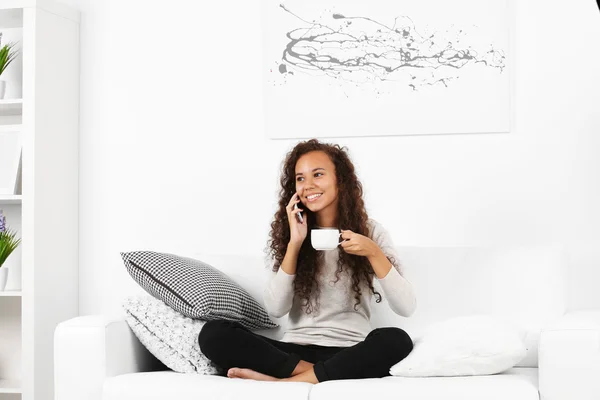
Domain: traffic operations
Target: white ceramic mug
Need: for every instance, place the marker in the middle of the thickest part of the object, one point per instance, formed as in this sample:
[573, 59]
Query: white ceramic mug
[325, 238]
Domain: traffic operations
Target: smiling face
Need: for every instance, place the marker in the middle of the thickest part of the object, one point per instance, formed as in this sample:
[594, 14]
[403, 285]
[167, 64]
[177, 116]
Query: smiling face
[316, 184]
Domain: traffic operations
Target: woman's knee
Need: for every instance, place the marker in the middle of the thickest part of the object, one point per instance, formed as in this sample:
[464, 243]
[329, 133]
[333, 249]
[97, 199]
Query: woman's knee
[395, 340]
[214, 334]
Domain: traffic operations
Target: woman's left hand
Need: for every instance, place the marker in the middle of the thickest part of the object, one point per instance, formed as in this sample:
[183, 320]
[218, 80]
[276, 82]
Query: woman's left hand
[357, 244]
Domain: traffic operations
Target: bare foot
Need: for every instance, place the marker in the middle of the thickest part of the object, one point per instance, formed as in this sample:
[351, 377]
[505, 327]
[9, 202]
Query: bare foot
[301, 367]
[245, 373]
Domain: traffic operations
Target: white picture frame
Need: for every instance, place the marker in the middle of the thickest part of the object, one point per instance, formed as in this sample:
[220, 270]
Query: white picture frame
[350, 68]
[10, 160]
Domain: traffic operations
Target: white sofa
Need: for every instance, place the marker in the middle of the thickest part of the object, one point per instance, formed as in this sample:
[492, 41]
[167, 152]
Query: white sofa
[99, 358]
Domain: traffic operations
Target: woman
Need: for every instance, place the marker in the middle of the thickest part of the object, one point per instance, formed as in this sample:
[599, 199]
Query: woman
[326, 293]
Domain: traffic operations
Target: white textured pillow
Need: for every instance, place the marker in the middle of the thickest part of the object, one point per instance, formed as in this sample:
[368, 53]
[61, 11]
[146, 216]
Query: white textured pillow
[471, 345]
[168, 335]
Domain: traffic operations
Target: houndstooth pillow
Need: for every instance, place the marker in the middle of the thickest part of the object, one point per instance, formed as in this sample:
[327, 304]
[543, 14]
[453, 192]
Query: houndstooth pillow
[168, 335]
[195, 289]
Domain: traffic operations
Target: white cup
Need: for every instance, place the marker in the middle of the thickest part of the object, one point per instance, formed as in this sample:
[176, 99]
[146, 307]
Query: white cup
[325, 238]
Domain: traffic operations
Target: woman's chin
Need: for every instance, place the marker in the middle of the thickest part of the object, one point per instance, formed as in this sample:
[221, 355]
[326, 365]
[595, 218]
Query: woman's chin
[315, 210]
[313, 207]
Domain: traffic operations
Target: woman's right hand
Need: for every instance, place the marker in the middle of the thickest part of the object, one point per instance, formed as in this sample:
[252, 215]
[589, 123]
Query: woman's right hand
[298, 230]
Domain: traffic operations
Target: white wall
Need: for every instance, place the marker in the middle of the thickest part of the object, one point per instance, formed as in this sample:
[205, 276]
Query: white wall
[173, 155]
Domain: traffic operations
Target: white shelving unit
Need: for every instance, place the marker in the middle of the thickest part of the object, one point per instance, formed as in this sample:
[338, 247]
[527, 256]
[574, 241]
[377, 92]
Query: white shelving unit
[42, 288]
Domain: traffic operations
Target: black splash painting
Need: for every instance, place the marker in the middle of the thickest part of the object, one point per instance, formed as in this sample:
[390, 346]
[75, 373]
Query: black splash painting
[357, 49]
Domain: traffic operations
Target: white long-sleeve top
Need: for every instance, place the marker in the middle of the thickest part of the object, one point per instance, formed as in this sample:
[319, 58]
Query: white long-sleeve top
[336, 323]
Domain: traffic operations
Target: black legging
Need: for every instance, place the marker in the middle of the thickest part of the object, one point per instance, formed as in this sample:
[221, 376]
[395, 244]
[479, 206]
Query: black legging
[228, 344]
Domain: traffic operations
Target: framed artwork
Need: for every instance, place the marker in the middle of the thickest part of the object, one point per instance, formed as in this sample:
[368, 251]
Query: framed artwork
[10, 161]
[344, 68]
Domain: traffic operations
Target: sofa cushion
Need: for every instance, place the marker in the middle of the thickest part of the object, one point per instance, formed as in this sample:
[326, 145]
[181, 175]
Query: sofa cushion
[522, 284]
[472, 345]
[169, 335]
[195, 289]
[172, 385]
[514, 384]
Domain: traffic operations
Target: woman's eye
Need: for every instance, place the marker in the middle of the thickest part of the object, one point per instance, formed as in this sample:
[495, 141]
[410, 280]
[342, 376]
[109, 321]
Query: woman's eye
[299, 179]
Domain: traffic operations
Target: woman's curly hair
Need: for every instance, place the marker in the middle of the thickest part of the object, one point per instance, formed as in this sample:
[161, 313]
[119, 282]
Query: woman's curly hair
[351, 215]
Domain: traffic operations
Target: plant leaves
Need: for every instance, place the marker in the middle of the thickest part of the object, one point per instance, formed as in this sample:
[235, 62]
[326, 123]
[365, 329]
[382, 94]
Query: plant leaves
[7, 55]
[8, 243]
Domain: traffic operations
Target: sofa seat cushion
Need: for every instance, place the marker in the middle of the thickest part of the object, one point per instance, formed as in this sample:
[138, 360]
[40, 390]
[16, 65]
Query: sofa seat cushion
[163, 385]
[514, 384]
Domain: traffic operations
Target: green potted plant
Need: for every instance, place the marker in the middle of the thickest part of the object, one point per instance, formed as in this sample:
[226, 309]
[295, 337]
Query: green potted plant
[7, 55]
[8, 244]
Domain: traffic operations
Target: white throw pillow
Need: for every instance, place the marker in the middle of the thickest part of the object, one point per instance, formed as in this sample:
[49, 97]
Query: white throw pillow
[168, 335]
[470, 345]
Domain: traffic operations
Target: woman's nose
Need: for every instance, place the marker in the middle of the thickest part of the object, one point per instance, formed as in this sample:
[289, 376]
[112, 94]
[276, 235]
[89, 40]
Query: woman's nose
[305, 186]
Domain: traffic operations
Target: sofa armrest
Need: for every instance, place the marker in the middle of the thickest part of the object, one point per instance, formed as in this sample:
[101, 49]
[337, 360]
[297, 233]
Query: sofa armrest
[569, 357]
[89, 349]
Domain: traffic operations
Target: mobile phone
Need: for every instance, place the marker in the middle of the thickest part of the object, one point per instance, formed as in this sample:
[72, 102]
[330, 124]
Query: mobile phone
[300, 219]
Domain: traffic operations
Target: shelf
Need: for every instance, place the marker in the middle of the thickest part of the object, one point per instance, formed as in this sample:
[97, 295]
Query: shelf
[10, 386]
[9, 199]
[11, 107]
[11, 293]
[10, 127]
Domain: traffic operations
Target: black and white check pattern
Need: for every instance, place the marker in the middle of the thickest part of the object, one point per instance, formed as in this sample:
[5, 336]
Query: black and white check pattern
[195, 289]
